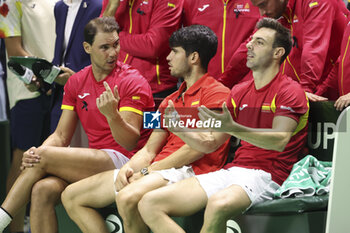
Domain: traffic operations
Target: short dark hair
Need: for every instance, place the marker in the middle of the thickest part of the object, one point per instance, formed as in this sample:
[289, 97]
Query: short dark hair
[196, 38]
[282, 36]
[104, 24]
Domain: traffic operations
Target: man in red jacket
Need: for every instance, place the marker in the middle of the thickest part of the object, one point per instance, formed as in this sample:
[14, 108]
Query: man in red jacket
[146, 26]
[317, 27]
[233, 21]
[338, 80]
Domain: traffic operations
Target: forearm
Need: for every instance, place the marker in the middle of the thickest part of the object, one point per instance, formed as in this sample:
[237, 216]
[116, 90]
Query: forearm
[64, 130]
[123, 133]
[183, 156]
[56, 139]
[147, 45]
[14, 47]
[205, 142]
[111, 8]
[143, 158]
[269, 139]
[153, 42]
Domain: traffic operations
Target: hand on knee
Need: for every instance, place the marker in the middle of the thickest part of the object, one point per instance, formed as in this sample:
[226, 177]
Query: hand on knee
[32, 158]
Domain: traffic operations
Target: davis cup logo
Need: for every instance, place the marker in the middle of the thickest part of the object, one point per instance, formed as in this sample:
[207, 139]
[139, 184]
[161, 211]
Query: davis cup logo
[113, 223]
[232, 227]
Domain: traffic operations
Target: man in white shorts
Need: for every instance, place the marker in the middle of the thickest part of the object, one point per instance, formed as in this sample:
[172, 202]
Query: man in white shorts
[171, 154]
[269, 115]
[111, 118]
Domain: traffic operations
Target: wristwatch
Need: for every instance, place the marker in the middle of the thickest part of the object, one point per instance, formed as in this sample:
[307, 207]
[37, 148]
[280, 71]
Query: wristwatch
[144, 171]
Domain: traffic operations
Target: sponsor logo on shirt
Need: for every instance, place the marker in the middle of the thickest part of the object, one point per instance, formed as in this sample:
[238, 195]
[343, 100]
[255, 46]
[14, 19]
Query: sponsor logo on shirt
[295, 19]
[85, 105]
[203, 7]
[83, 96]
[287, 108]
[243, 107]
[240, 7]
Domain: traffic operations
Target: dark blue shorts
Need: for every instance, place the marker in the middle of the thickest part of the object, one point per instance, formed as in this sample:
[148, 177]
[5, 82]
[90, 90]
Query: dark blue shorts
[30, 122]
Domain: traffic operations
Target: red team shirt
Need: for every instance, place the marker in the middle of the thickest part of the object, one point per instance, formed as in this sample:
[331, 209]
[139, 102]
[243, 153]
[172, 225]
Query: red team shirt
[210, 93]
[256, 109]
[82, 90]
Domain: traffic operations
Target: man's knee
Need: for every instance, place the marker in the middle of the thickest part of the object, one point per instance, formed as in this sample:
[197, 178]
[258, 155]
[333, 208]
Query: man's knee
[68, 198]
[46, 191]
[127, 199]
[219, 205]
[148, 202]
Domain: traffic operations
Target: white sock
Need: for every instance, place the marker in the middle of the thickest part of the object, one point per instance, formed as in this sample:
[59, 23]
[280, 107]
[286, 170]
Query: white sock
[5, 219]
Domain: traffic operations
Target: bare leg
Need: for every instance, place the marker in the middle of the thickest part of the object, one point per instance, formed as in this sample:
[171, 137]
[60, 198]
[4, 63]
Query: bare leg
[69, 164]
[80, 199]
[46, 194]
[129, 197]
[17, 223]
[181, 199]
[222, 206]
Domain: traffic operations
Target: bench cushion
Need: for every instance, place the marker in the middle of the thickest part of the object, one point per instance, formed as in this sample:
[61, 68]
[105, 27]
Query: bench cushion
[291, 205]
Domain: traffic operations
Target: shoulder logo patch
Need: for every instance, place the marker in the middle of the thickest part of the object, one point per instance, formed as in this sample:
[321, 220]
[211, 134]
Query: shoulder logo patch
[203, 7]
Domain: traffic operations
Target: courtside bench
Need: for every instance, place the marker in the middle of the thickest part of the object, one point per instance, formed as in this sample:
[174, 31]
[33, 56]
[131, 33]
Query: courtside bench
[301, 214]
[291, 215]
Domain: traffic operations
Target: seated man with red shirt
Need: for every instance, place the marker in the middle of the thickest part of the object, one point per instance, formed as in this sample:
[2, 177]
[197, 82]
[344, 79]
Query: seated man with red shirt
[269, 114]
[111, 119]
[171, 153]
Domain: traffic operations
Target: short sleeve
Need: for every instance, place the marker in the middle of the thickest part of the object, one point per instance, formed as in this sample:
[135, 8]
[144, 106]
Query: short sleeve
[10, 18]
[69, 95]
[215, 95]
[135, 93]
[291, 102]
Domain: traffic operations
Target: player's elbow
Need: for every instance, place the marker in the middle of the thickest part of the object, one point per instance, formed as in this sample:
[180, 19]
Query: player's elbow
[281, 143]
[132, 144]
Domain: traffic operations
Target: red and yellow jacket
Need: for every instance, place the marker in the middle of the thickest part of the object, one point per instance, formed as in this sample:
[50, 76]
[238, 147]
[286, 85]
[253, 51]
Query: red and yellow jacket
[233, 21]
[146, 26]
[338, 80]
[317, 28]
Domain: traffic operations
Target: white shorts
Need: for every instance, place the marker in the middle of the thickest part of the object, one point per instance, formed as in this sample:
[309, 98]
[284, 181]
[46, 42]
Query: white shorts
[174, 175]
[118, 158]
[256, 183]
